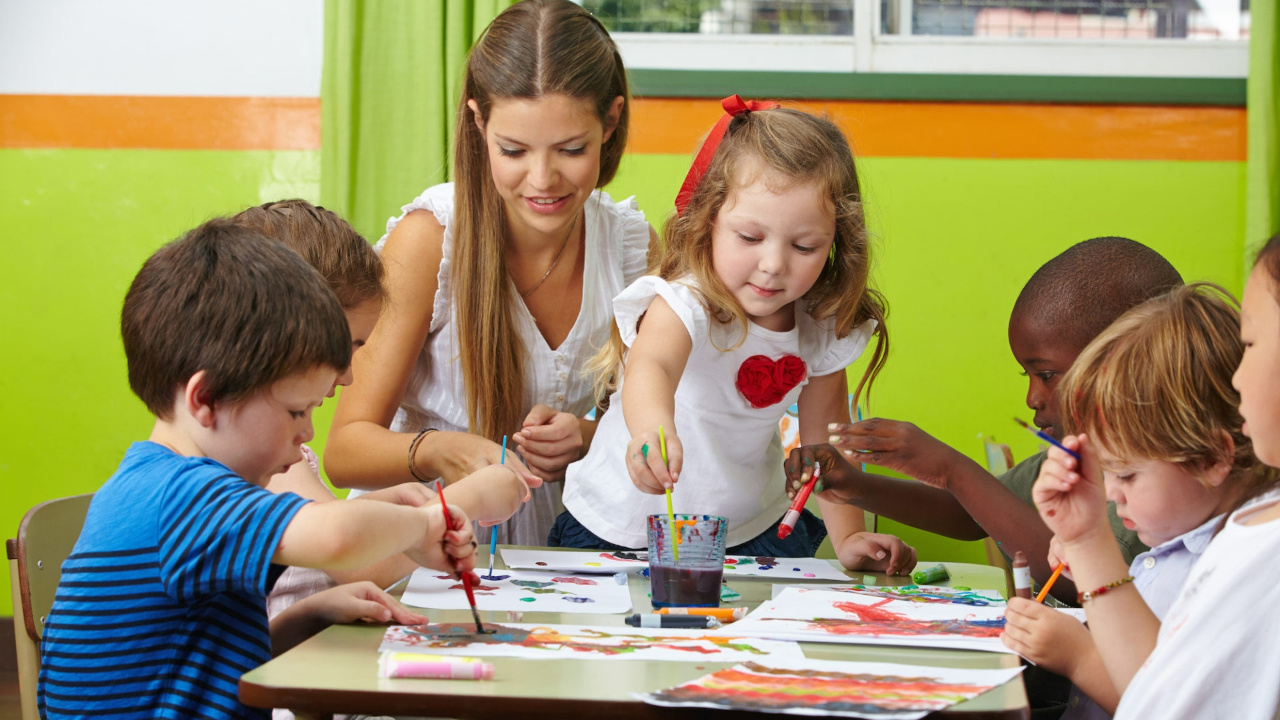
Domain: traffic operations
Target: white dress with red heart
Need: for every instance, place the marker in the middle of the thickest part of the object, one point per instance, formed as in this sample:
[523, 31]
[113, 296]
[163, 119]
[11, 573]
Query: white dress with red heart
[727, 408]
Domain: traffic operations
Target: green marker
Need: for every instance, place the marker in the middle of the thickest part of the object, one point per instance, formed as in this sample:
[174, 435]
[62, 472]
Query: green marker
[931, 575]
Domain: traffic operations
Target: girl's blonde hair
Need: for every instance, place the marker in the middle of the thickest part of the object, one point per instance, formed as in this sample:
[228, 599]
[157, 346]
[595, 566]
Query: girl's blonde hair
[793, 147]
[1156, 385]
[327, 242]
[533, 49]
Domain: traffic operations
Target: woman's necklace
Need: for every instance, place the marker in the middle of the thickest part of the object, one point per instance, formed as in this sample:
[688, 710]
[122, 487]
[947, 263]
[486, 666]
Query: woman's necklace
[547, 274]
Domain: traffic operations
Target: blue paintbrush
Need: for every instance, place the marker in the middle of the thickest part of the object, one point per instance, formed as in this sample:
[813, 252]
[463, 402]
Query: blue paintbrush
[1047, 438]
[493, 531]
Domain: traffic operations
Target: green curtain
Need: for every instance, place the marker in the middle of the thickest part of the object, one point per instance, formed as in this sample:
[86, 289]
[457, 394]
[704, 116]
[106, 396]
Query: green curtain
[1262, 204]
[392, 71]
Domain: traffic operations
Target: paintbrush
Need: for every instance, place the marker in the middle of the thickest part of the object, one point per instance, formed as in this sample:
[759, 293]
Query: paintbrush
[493, 531]
[1044, 591]
[671, 515]
[1047, 438]
[466, 577]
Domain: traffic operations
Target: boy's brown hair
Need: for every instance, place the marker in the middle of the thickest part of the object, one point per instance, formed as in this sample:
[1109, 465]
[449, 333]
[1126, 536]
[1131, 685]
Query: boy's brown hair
[223, 299]
[1156, 384]
[326, 241]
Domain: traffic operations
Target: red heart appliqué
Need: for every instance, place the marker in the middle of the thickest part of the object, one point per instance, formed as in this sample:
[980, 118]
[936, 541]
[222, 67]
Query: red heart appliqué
[764, 382]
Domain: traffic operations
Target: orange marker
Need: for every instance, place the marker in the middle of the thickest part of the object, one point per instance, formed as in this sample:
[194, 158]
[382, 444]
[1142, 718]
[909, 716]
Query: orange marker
[725, 615]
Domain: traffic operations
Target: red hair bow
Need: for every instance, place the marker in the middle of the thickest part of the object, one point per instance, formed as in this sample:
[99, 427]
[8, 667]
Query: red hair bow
[733, 105]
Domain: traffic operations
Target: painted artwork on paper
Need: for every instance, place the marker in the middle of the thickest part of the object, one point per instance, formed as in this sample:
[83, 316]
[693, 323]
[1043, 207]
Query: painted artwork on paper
[844, 689]
[931, 594]
[522, 591]
[525, 640]
[821, 615]
[595, 561]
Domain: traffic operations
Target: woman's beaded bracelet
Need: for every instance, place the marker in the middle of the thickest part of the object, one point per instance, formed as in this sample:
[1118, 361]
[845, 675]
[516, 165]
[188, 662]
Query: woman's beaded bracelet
[413, 450]
[1085, 597]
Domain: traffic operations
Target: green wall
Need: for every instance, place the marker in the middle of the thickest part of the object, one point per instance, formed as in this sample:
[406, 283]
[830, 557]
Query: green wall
[955, 241]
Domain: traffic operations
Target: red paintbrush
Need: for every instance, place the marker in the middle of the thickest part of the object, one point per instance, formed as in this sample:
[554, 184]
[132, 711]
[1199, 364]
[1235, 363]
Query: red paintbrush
[466, 577]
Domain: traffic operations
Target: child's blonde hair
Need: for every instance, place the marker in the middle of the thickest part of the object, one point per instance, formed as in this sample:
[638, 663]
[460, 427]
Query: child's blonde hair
[1156, 385]
[794, 147]
[327, 242]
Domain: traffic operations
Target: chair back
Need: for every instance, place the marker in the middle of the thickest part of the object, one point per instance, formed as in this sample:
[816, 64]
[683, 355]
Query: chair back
[45, 538]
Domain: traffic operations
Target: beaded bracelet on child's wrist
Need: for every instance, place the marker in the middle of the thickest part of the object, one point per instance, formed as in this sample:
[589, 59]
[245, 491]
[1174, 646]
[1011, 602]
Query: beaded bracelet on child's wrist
[1085, 597]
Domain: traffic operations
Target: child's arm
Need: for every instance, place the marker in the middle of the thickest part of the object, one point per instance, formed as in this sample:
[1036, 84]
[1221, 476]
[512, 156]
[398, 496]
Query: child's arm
[1059, 643]
[342, 604]
[337, 535]
[654, 366]
[823, 401]
[1071, 499]
[362, 451]
[981, 498]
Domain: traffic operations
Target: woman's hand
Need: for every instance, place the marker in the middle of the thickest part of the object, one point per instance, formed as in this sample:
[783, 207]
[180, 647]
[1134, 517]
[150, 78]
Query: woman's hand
[1051, 639]
[899, 446]
[644, 462]
[876, 552]
[549, 441]
[455, 455]
[1069, 493]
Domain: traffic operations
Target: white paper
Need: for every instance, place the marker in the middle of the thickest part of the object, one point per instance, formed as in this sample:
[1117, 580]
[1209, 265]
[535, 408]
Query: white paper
[856, 618]
[599, 561]
[582, 642]
[881, 691]
[521, 591]
[578, 561]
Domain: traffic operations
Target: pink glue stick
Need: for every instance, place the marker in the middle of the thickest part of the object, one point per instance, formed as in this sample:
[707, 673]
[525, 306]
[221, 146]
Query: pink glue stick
[443, 667]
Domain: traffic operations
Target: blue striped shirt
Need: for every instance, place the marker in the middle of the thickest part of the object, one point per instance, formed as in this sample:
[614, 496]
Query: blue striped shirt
[161, 607]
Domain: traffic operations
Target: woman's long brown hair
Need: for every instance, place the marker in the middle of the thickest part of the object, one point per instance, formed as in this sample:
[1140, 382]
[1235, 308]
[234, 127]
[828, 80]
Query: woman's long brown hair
[533, 49]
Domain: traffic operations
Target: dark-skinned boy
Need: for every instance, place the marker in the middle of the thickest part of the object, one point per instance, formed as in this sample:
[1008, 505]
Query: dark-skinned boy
[1067, 302]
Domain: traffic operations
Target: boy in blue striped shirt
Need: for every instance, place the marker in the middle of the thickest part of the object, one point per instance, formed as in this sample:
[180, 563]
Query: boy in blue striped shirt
[231, 342]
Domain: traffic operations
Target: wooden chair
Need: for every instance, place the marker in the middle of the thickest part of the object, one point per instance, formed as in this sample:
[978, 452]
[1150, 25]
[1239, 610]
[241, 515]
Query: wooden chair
[45, 538]
[999, 460]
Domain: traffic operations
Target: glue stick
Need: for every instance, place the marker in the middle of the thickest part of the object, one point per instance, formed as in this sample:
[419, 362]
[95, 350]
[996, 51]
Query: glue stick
[445, 667]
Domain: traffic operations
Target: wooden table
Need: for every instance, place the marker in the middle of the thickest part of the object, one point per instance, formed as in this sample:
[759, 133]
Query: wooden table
[336, 671]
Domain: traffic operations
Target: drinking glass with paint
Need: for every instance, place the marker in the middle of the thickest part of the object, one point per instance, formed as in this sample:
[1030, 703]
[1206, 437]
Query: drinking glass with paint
[692, 580]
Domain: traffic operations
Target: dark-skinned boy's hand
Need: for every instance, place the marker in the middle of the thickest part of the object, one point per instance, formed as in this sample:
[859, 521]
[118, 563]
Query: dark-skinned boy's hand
[836, 482]
[899, 446]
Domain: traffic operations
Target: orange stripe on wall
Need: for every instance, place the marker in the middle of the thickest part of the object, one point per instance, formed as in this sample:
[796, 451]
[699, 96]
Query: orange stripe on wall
[169, 123]
[979, 130]
[661, 125]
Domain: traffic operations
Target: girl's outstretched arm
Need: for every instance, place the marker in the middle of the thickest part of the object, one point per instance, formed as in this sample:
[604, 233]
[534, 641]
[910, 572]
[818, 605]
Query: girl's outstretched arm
[824, 400]
[653, 369]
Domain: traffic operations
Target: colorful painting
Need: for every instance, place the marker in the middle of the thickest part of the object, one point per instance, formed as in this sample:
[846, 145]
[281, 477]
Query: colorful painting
[852, 617]
[931, 594]
[845, 689]
[595, 561]
[521, 591]
[524, 640]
